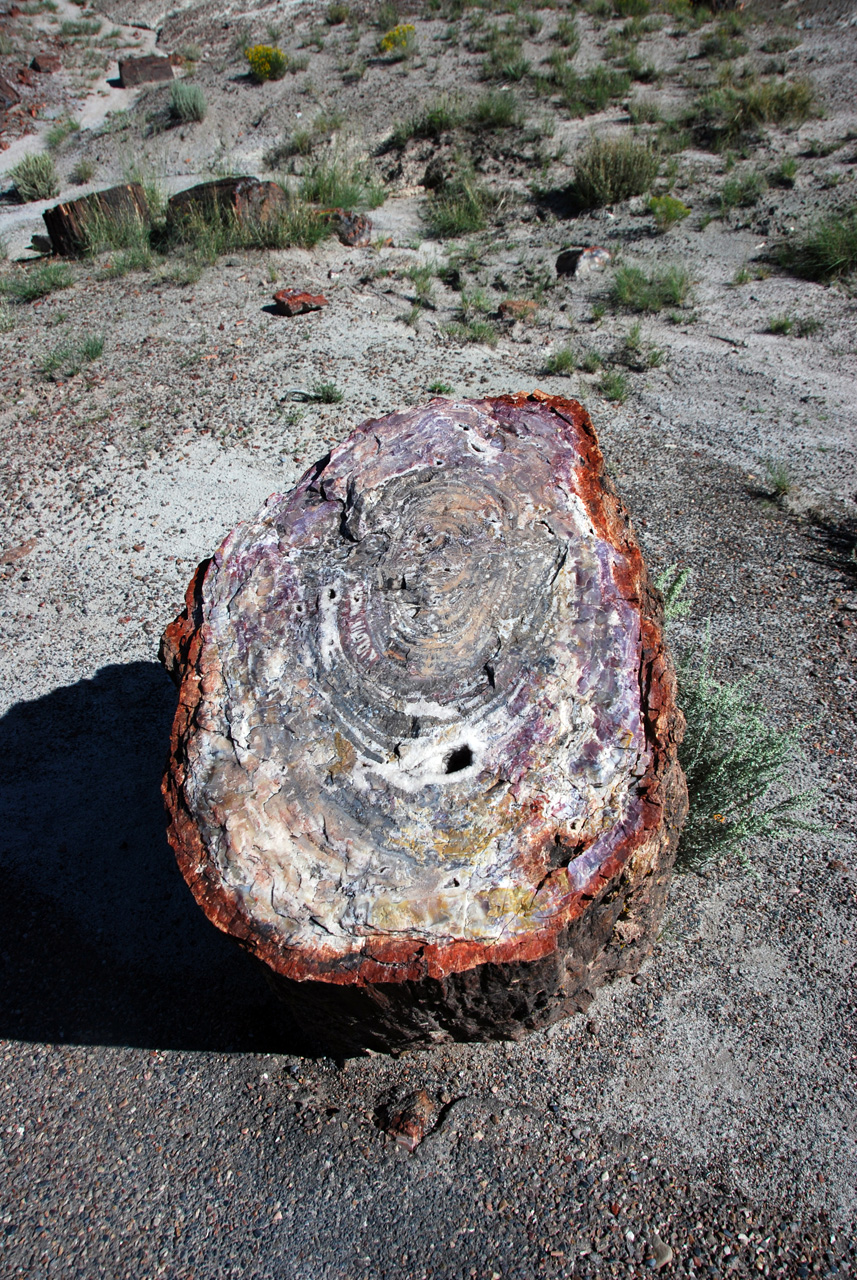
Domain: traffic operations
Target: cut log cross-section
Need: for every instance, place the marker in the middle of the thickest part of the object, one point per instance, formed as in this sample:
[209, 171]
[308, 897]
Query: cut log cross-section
[424, 763]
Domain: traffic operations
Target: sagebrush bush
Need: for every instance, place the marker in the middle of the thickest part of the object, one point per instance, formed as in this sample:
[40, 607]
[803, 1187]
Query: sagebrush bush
[35, 178]
[267, 62]
[612, 169]
[187, 102]
[740, 770]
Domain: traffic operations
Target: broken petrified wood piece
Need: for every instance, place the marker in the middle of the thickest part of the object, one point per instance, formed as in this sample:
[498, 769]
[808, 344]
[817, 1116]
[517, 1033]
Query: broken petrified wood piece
[146, 70]
[248, 199]
[294, 302]
[73, 224]
[424, 763]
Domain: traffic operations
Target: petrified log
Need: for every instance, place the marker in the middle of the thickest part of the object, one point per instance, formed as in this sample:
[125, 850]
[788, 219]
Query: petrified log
[146, 70]
[246, 198]
[70, 224]
[424, 763]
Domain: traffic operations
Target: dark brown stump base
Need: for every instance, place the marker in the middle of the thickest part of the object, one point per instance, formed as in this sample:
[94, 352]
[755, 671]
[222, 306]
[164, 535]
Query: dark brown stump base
[495, 1001]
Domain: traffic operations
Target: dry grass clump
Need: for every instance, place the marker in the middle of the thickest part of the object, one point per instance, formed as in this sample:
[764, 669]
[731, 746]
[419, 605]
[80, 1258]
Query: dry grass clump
[724, 115]
[612, 169]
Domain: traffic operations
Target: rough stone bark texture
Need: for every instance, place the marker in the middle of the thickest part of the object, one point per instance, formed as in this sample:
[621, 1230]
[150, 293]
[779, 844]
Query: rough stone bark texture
[69, 222]
[145, 70]
[424, 763]
[247, 199]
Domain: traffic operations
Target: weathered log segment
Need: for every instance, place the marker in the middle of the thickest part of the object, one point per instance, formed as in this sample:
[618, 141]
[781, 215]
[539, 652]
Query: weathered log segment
[74, 223]
[424, 763]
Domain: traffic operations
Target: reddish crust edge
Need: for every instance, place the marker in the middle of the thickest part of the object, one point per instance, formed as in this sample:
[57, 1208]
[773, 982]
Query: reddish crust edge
[408, 960]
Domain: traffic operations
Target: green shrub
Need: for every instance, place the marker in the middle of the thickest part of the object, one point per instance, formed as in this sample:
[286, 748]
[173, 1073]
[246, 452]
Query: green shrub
[720, 47]
[267, 62]
[75, 29]
[69, 357]
[437, 118]
[35, 178]
[562, 361]
[187, 102]
[59, 131]
[337, 183]
[667, 211]
[827, 250]
[612, 169]
[735, 765]
[644, 111]
[590, 361]
[478, 330]
[641, 291]
[725, 115]
[83, 171]
[326, 393]
[505, 62]
[439, 388]
[37, 282]
[460, 207]
[780, 324]
[591, 92]
[784, 175]
[568, 36]
[614, 386]
[742, 190]
[495, 110]
[336, 14]
[631, 8]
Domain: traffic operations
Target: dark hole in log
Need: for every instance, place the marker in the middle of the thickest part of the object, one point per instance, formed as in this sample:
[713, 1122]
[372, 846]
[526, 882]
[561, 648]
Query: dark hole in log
[460, 758]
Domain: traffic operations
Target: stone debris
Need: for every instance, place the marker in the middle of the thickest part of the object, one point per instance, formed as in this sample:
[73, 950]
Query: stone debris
[409, 1120]
[353, 229]
[517, 309]
[661, 1251]
[294, 302]
[134, 71]
[46, 63]
[582, 260]
[14, 554]
[9, 95]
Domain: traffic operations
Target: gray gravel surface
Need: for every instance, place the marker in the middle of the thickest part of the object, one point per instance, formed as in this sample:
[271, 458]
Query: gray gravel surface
[157, 1118]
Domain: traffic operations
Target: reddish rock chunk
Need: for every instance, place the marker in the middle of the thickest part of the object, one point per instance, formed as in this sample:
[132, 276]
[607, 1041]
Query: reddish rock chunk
[294, 302]
[14, 554]
[46, 63]
[134, 71]
[353, 229]
[409, 1120]
[518, 309]
[24, 76]
[9, 95]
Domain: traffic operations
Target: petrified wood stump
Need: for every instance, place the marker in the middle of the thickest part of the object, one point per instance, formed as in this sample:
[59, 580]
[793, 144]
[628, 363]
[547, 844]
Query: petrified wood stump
[424, 760]
[71, 223]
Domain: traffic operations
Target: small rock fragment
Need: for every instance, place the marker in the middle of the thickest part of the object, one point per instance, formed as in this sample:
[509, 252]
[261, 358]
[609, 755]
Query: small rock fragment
[352, 229]
[410, 1119]
[46, 63]
[294, 302]
[9, 95]
[518, 309]
[17, 553]
[582, 260]
[661, 1252]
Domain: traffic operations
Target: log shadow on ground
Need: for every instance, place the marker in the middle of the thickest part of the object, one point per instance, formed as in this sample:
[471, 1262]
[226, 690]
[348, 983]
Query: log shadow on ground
[100, 939]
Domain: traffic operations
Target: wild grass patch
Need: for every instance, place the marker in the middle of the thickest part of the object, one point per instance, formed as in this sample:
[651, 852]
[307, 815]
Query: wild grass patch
[612, 169]
[59, 132]
[651, 291]
[825, 250]
[563, 361]
[335, 182]
[725, 115]
[460, 207]
[742, 190]
[30, 283]
[67, 359]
